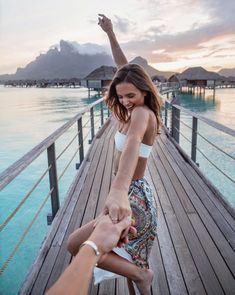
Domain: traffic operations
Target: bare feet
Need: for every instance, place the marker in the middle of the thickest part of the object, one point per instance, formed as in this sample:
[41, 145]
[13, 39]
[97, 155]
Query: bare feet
[144, 284]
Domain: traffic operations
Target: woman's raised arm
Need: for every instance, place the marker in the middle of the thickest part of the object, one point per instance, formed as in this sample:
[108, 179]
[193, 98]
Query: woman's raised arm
[118, 54]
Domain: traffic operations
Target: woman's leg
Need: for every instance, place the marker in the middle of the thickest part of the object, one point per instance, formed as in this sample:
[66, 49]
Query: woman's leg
[141, 276]
[79, 236]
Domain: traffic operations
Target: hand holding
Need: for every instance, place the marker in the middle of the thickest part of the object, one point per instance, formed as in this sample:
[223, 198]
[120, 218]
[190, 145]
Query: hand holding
[117, 205]
[107, 235]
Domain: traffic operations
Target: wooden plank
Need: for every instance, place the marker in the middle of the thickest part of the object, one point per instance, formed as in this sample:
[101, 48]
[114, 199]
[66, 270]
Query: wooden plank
[217, 233]
[172, 269]
[186, 263]
[224, 275]
[107, 288]
[60, 263]
[203, 265]
[98, 181]
[186, 166]
[121, 286]
[210, 201]
[105, 185]
[206, 181]
[89, 214]
[94, 289]
[190, 273]
[159, 285]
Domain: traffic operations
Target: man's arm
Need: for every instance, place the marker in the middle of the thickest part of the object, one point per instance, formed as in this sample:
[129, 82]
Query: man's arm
[75, 280]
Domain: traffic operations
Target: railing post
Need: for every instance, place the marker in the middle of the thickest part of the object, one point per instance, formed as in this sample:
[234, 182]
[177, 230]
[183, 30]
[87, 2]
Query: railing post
[175, 124]
[80, 140]
[55, 201]
[101, 113]
[166, 111]
[194, 140]
[92, 123]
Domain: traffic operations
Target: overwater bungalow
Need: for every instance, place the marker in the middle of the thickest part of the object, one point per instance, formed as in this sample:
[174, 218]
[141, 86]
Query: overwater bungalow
[197, 77]
[99, 79]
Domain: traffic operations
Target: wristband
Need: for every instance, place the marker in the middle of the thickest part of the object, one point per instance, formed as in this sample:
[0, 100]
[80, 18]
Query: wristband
[92, 245]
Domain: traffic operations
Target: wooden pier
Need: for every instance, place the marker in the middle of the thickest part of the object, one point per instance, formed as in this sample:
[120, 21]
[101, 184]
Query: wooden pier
[194, 249]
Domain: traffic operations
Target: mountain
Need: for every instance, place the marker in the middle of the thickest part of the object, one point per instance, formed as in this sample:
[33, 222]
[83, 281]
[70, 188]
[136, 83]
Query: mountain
[150, 70]
[63, 62]
[227, 72]
[72, 60]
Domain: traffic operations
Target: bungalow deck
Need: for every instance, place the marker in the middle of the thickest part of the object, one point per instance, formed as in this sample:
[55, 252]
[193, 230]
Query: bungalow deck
[194, 250]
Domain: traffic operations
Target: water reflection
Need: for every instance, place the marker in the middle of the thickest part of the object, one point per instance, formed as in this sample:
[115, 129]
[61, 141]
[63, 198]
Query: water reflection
[199, 103]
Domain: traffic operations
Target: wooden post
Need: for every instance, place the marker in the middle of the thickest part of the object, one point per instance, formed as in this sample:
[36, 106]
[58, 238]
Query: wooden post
[55, 201]
[101, 113]
[80, 140]
[194, 140]
[166, 112]
[92, 123]
[175, 123]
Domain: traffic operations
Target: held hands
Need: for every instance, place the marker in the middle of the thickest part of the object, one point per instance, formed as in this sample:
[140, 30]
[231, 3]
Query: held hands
[117, 205]
[105, 23]
[107, 235]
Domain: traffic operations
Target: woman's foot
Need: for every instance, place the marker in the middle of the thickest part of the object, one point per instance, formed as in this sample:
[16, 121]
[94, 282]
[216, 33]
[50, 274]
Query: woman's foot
[144, 283]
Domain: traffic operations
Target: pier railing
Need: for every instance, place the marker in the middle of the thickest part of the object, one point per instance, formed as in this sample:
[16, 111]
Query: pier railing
[203, 142]
[95, 115]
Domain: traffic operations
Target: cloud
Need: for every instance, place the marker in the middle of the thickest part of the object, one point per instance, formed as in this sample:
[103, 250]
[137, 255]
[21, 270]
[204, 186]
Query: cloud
[86, 48]
[122, 24]
[221, 22]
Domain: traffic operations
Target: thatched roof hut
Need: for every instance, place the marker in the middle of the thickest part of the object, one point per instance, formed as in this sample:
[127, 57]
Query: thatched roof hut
[198, 76]
[199, 73]
[99, 78]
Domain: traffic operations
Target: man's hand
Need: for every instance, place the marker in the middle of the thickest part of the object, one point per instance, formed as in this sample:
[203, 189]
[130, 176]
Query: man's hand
[107, 235]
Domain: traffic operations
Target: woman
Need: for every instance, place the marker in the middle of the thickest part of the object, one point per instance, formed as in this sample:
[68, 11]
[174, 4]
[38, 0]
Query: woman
[134, 101]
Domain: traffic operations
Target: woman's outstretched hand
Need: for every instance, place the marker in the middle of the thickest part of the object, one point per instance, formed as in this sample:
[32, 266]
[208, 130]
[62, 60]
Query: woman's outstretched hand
[105, 23]
[117, 205]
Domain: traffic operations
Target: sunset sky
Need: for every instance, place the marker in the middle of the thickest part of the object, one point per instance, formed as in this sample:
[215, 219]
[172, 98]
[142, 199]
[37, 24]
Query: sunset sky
[170, 34]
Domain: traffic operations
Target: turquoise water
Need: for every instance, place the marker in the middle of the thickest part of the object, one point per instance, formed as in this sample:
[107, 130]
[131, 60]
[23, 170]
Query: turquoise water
[221, 109]
[27, 116]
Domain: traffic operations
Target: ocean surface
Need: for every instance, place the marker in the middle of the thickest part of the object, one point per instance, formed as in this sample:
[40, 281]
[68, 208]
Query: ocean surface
[27, 116]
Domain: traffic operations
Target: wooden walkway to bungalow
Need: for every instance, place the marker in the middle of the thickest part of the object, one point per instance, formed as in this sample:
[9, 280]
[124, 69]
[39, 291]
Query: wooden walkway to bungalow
[194, 250]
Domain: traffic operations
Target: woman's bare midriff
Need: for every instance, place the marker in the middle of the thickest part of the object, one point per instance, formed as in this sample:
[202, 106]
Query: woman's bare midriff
[140, 168]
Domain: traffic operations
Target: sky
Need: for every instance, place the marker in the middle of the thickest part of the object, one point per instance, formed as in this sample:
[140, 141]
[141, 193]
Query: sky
[171, 34]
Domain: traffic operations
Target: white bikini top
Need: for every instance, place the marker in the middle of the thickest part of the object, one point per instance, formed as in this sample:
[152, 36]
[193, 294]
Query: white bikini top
[120, 138]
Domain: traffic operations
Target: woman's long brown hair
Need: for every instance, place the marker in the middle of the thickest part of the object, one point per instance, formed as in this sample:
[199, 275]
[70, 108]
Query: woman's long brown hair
[135, 74]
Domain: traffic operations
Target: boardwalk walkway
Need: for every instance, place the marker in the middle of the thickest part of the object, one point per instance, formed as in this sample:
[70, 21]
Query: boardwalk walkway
[194, 251]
